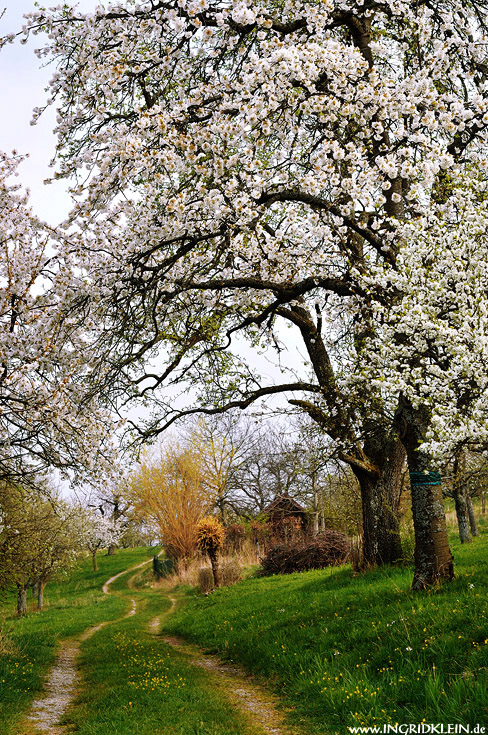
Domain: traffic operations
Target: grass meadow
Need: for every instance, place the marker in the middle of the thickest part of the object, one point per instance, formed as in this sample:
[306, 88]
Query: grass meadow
[346, 650]
[28, 645]
[341, 650]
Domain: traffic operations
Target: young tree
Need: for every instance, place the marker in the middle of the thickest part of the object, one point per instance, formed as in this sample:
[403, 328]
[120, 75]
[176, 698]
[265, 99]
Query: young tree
[99, 532]
[210, 540]
[169, 492]
[276, 163]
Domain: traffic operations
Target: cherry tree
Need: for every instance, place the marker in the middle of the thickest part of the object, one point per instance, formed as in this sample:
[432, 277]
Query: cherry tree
[239, 166]
[99, 532]
[47, 417]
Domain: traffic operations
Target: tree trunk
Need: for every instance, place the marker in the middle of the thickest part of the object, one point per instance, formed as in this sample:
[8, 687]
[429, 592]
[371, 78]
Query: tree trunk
[111, 550]
[460, 499]
[215, 568]
[472, 518]
[94, 559]
[461, 505]
[433, 558]
[315, 528]
[40, 594]
[380, 499]
[21, 600]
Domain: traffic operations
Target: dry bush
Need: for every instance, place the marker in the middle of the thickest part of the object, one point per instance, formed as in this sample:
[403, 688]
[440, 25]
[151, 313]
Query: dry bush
[230, 572]
[234, 538]
[210, 540]
[187, 572]
[205, 579]
[210, 536]
[326, 549]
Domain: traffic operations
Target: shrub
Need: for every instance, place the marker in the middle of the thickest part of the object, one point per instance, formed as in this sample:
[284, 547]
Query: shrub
[326, 549]
[260, 534]
[230, 572]
[234, 536]
[205, 579]
[210, 540]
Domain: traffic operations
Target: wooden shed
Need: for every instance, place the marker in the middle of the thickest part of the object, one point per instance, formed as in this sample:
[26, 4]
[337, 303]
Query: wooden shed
[288, 519]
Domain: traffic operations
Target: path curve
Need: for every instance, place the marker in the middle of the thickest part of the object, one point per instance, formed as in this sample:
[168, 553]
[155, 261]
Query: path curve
[61, 684]
[246, 695]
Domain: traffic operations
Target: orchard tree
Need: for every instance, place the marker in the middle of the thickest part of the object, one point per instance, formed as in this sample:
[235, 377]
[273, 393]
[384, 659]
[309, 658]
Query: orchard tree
[242, 166]
[99, 532]
[40, 538]
[47, 418]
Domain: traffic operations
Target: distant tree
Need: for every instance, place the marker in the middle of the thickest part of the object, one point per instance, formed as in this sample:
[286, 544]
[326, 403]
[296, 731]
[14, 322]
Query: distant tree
[99, 532]
[221, 445]
[168, 490]
[40, 537]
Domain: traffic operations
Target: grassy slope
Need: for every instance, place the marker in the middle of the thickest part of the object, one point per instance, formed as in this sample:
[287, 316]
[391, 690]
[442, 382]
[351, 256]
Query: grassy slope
[134, 683]
[347, 650]
[72, 605]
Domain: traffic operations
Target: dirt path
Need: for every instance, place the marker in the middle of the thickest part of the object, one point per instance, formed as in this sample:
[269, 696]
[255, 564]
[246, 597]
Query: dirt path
[254, 700]
[61, 685]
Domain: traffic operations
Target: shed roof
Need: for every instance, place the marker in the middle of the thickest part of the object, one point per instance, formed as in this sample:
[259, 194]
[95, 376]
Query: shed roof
[285, 502]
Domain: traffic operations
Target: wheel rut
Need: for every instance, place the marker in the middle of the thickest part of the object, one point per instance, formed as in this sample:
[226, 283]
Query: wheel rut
[62, 682]
[254, 700]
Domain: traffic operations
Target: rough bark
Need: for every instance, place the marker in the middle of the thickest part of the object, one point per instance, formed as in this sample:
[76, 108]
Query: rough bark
[94, 559]
[215, 568]
[40, 594]
[433, 558]
[377, 464]
[21, 600]
[461, 506]
[380, 500]
[472, 518]
[460, 498]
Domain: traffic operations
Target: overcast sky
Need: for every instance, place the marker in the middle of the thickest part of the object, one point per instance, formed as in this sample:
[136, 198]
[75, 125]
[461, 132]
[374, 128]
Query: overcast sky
[23, 88]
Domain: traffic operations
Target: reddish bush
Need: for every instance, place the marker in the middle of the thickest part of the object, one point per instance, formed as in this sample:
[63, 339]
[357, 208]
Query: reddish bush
[260, 534]
[234, 536]
[324, 550]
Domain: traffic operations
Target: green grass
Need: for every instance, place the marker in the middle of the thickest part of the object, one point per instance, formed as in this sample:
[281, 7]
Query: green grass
[349, 650]
[135, 683]
[341, 650]
[72, 605]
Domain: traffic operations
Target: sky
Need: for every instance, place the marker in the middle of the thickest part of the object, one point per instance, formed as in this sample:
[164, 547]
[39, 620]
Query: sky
[23, 82]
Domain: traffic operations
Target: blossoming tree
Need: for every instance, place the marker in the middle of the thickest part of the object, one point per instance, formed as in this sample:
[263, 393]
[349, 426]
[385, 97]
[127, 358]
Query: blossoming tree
[244, 165]
[47, 417]
[98, 532]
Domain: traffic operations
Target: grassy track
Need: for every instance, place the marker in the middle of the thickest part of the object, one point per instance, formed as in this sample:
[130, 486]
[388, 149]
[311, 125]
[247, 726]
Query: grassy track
[71, 607]
[340, 650]
[135, 683]
[347, 650]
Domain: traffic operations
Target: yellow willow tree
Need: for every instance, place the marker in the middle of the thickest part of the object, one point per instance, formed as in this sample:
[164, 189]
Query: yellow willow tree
[169, 491]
